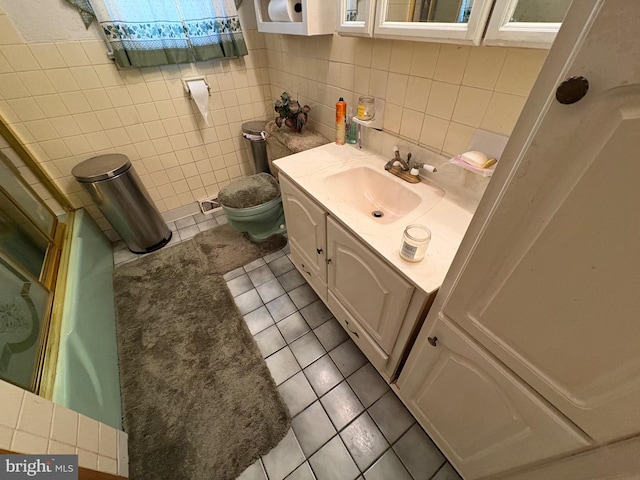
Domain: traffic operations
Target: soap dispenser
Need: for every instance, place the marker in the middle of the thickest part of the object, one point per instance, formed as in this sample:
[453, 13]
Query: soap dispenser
[351, 130]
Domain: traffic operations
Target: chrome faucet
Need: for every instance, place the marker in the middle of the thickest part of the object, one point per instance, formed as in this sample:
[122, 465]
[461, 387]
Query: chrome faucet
[405, 165]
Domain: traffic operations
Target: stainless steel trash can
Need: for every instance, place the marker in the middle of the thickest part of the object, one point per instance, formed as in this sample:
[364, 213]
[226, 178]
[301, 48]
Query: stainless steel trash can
[254, 132]
[119, 194]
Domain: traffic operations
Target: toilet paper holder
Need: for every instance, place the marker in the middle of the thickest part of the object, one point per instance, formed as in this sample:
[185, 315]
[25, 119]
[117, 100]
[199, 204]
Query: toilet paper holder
[185, 84]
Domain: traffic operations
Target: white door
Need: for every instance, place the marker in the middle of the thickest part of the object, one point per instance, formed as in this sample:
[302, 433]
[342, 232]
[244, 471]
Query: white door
[551, 281]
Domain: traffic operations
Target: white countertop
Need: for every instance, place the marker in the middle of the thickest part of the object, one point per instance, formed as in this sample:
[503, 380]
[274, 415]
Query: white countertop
[447, 219]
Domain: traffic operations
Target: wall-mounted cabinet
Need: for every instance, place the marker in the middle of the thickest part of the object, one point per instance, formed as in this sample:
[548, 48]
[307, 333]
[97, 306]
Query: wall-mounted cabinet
[520, 23]
[309, 17]
[527, 24]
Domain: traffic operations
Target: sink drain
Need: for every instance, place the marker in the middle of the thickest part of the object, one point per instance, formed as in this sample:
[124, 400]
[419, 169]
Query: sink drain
[377, 214]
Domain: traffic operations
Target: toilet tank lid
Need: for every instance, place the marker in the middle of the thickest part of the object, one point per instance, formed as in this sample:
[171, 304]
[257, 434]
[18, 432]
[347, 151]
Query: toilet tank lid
[101, 167]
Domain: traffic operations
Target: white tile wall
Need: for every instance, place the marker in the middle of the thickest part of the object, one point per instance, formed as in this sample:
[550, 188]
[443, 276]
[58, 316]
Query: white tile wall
[67, 102]
[437, 94]
[32, 424]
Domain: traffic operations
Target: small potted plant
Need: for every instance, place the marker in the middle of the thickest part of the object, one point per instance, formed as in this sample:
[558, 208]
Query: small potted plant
[291, 113]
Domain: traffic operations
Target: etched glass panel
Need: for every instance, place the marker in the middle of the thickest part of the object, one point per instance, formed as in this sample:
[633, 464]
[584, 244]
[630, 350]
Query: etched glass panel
[23, 307]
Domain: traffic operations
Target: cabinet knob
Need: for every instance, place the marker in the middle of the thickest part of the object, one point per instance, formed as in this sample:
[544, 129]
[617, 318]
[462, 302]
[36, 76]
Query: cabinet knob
[572, 90]
[433, 341]
[319, 250]
[328, 260]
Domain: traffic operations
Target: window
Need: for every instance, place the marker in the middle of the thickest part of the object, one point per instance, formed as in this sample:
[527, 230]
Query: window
[144, 33]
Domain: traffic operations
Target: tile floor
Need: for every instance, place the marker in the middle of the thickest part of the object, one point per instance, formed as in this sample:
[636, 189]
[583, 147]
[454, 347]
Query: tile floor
[347, 423]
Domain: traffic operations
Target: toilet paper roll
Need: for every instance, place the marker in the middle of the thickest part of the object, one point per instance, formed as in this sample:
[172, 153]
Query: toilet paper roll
[285, 11]
[200, 95]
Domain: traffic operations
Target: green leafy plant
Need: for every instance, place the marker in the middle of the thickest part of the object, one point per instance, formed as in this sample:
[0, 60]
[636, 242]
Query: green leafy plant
[291, 113]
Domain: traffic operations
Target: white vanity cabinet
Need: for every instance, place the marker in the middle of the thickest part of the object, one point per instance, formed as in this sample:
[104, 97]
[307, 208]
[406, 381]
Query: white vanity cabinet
[374, 303]
[484, 418]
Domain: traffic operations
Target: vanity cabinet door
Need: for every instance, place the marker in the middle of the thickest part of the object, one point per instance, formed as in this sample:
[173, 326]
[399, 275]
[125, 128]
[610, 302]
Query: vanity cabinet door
[306, 228]
[366, 287]
[485, 419]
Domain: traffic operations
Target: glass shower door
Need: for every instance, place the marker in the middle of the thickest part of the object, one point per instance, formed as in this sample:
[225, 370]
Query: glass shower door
[24, 308]
[29, 254]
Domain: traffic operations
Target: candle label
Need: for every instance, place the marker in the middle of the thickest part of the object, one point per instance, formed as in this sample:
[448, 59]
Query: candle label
[408, 251]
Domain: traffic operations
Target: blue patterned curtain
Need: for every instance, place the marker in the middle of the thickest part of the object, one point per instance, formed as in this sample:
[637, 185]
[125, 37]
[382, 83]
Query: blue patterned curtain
[145, 33]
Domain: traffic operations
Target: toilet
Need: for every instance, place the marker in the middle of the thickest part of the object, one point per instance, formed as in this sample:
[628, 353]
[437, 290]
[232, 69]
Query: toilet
[253, 204]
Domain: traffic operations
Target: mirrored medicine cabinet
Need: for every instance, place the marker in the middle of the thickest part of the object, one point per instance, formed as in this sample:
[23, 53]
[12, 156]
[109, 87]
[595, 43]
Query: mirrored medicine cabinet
[524, 23]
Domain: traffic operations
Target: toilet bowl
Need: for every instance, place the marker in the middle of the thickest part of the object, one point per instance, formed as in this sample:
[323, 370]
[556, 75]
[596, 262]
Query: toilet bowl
[253, 205]
[259, 222]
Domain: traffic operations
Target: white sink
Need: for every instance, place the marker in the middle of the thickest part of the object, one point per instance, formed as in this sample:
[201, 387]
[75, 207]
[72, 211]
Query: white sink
[379, 195]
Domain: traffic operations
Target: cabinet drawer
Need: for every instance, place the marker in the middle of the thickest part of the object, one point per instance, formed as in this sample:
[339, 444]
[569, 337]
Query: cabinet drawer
[318, 285]
[361, 338]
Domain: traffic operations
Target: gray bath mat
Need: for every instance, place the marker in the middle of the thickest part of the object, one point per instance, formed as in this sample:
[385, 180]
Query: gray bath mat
[198, 399]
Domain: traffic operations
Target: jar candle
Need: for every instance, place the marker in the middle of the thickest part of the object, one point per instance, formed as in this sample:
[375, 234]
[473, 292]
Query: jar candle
[366, 108]
[415, 241]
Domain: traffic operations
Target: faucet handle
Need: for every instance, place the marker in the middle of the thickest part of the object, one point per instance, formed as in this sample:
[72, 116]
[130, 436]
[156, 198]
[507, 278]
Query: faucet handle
[395, 149]
[426, 166]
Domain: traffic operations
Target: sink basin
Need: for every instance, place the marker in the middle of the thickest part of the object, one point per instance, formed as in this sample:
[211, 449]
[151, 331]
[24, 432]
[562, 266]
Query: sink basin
[378, 195]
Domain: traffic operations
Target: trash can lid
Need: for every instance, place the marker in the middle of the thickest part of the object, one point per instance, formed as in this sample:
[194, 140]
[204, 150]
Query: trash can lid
[101, 167]
[255, 127]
